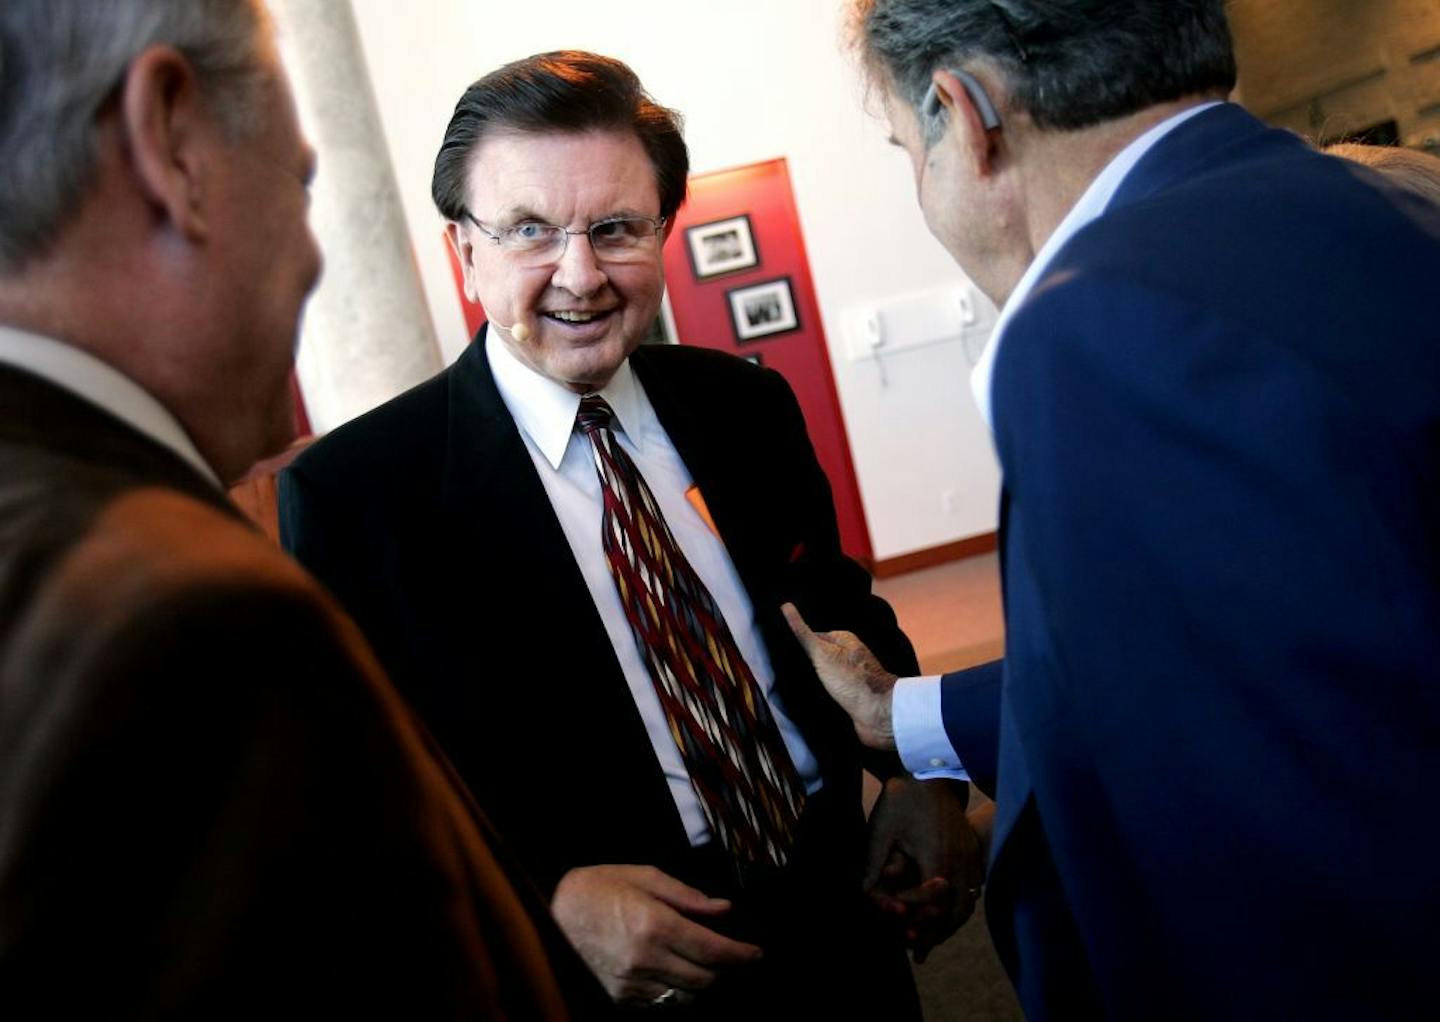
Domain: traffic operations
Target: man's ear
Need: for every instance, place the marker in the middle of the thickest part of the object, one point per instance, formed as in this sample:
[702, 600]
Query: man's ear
[168, 133]
[978, 144]
[465, 252]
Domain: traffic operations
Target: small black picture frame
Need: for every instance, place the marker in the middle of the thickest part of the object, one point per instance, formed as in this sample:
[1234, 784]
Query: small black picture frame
[762, 310]
[722, 247]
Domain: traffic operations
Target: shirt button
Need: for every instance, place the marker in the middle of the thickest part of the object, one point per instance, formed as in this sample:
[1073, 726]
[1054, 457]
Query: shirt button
[937, 762]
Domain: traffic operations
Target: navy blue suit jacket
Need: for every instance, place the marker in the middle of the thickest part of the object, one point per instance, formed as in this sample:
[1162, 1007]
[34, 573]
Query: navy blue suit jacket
[1215, 737]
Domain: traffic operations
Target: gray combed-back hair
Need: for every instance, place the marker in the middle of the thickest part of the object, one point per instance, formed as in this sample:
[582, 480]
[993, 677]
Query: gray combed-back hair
[60, 62]
[1067, 63]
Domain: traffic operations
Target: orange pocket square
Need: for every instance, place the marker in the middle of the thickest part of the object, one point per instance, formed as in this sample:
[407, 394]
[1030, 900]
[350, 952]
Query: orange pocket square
[697, 501]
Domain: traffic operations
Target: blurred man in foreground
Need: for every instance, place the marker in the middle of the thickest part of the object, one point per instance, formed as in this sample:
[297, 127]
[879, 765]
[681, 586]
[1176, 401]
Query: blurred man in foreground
[212, 803]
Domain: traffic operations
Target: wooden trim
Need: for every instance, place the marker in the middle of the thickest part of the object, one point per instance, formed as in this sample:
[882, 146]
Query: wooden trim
[973, 546]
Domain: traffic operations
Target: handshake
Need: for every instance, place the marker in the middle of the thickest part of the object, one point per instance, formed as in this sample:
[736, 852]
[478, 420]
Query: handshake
[927, 849]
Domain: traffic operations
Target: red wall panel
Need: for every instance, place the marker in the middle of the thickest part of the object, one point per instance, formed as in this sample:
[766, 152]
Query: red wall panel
[702, 314]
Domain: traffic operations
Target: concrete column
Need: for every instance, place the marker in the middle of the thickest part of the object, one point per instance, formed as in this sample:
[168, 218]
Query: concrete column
[367, 334]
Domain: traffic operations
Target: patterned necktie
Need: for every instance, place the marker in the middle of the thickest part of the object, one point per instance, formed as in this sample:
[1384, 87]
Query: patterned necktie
[738, 764]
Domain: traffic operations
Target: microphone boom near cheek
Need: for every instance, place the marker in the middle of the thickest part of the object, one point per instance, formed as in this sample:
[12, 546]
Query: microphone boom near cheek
[519, 330]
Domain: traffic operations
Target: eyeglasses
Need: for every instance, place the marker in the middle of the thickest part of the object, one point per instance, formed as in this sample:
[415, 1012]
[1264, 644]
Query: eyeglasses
[616, 239]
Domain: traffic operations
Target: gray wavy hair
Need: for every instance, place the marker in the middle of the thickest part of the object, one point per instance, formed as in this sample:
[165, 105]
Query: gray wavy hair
[1067, 63]
[60, 62]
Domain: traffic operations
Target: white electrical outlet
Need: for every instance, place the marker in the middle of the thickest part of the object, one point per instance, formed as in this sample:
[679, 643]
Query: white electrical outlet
[966, 302]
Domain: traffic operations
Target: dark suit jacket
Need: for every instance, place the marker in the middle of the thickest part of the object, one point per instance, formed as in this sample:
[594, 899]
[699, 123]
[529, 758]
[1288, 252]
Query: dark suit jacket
[1218, 720]
[212, 803]
[427, 519]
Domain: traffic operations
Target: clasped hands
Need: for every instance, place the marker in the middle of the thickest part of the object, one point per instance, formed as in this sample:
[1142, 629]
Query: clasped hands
[925, 863]
[926, 859]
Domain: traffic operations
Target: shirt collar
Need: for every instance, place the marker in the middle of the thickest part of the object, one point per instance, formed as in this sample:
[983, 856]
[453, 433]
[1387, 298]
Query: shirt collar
[545, 411]
[90, 379]
[1091, 206]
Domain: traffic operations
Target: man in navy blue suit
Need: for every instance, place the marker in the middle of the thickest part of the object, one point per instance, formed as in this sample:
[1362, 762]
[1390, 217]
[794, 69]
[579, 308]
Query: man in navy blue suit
[1214, 390]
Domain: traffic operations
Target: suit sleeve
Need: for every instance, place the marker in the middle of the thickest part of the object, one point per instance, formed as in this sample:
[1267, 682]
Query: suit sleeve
[970, 708]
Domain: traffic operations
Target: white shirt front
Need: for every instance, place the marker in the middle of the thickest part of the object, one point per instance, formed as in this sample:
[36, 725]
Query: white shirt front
[919, 725]
[545, 412]
[90, 379]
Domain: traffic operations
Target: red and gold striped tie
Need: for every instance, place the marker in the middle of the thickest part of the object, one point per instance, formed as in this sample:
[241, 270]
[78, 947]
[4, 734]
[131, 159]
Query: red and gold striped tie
[738, 763]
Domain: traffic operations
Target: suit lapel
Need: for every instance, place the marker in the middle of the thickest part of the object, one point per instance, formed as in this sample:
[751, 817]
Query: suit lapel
[489, 481]
[501, 526]
[491, 493]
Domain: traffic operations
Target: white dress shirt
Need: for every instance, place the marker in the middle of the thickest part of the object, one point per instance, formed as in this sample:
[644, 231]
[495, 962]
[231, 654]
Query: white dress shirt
[90, 379]
[545, 413]
[919, 725]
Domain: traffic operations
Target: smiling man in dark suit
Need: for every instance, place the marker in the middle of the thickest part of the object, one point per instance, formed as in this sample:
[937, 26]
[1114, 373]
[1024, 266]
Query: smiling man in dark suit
[212, 802]
[571, 553]
[1215, 394]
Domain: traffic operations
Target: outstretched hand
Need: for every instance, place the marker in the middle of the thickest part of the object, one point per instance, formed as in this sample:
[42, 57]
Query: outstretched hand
[852, 676]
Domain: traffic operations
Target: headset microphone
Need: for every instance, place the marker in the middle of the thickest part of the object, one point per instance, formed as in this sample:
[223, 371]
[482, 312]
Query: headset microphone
[520, 330]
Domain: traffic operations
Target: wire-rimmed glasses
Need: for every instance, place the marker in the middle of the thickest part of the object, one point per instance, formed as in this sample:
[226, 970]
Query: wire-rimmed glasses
[616, 239]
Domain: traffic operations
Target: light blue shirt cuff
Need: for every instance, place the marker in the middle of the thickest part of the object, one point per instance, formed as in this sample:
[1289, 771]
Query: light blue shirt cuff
[919, 725]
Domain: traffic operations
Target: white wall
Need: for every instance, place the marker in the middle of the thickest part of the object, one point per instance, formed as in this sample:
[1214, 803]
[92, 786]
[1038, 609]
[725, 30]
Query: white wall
[755, 79]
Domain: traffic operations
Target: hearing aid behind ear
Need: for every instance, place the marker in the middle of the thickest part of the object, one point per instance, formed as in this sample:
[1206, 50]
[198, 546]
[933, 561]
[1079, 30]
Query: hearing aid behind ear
[930, 107]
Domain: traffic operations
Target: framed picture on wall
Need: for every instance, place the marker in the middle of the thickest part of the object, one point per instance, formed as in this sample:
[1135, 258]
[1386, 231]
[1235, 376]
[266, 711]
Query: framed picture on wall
[762, 310]
[721, 246]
